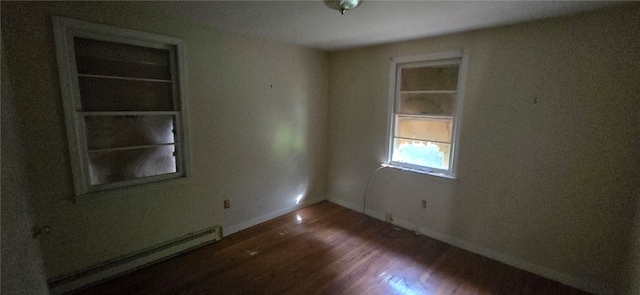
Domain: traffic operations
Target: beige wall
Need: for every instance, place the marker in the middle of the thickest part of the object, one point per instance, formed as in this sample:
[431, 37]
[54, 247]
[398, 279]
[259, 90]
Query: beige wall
[258, 133]
[22, 270]
[632, 280]
[549, 186]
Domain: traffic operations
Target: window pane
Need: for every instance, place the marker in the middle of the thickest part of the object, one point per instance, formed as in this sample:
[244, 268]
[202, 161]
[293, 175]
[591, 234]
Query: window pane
[115, 59]
[116, 166]
[105, 132]
[100, 94]
[424, 128]
[430, 78]
[421, 153]
[427, 103]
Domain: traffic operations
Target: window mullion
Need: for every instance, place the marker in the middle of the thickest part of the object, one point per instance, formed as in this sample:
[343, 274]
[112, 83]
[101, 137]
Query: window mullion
[418, 139]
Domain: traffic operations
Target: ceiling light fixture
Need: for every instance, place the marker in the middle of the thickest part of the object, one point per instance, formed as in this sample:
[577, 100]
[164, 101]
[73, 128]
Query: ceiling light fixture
[342, 5]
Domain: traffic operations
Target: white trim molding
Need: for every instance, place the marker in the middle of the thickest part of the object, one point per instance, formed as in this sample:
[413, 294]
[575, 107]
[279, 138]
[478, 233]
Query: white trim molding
[260, 219]
[564, 278]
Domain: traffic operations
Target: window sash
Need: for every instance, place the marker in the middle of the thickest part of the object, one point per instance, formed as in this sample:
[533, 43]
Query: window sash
[427, 163]
[438, 129]
[65, 30]
[434, 60]
[85, 153]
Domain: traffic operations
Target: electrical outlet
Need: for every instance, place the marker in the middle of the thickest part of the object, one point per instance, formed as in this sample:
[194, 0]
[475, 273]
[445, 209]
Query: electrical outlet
[424, 204]
[227, 204]
[388, 218]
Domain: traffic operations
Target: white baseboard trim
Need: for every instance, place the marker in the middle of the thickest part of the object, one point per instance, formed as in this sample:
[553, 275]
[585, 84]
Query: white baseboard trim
[346, 204]
[579, 283]
[131, 262]
[260, 219]
[134, 261]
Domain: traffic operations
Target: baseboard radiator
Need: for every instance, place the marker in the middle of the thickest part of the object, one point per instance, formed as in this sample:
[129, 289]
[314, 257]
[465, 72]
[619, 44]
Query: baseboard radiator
[133, 261]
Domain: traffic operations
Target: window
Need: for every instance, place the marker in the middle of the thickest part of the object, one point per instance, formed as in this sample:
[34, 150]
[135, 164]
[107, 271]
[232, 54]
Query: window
[123, 93]
[425, 108]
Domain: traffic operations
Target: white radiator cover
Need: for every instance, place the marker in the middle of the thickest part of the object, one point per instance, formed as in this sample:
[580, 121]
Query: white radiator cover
[133, 261]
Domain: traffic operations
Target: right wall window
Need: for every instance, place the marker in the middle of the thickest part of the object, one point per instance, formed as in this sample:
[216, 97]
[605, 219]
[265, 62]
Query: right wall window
[425, 112]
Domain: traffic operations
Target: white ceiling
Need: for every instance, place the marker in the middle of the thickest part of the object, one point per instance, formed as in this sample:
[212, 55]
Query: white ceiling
[312, 24]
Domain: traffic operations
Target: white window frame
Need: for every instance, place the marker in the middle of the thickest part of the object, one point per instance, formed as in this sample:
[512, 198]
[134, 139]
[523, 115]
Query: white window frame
[65, 29]
[459, 57]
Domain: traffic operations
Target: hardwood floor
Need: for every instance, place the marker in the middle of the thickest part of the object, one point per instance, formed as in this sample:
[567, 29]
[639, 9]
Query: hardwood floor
[327, 249]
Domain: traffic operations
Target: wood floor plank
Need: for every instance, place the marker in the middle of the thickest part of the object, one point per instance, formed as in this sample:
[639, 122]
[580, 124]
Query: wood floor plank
[328, 249]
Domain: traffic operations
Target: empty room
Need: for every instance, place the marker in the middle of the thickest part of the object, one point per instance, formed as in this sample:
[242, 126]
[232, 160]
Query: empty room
[320, 147]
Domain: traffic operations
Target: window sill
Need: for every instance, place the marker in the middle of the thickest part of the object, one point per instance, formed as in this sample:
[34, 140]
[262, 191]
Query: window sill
[127, 191]
[436, 174]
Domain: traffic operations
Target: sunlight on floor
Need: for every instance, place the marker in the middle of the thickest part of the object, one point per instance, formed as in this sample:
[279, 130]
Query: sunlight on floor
[400, 285]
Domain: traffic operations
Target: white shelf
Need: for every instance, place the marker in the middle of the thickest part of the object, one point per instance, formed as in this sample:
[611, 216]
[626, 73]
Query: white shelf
[428, 91]
[94, 57]
[124, 78]
[130, 113]
[424, 116]
[416, 139]
[130, 148]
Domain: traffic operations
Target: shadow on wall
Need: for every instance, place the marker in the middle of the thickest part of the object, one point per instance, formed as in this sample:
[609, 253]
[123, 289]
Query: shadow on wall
[631, 282]
[22, 270]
